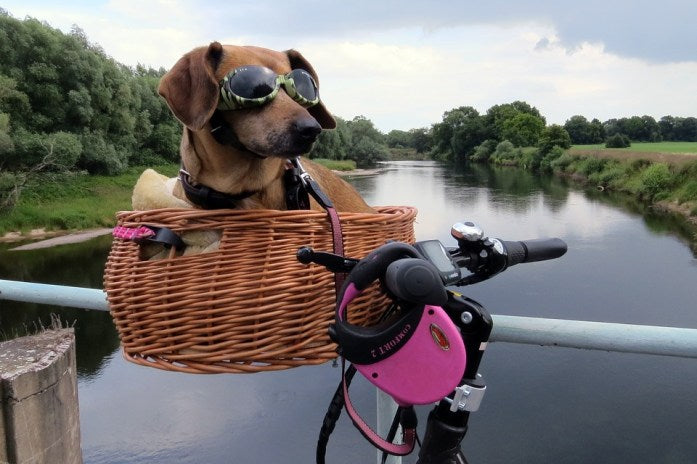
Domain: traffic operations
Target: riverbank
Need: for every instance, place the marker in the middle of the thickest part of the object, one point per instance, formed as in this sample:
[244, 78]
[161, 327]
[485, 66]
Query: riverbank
[666, 182]
[77, 205]
[46, 239]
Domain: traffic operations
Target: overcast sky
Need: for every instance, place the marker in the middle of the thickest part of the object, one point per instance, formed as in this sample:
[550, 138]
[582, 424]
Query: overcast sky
[402, 63]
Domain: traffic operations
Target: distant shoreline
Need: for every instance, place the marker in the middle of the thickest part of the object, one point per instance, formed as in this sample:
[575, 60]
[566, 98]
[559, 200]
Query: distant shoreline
[51, 238]
[358, 172]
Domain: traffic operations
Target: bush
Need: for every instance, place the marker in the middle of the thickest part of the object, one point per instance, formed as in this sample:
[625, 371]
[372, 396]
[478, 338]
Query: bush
[505, 153]
[530, 158]
[484, 150]
[590, 165]
[547, 160]
[554, 135]
[688, 192]
[654, 181]
[608, 176]
[563, 161]
[618, 141]
[367, 152]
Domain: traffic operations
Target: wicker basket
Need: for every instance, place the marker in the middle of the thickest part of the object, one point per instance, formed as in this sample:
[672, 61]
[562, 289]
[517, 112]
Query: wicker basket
[249, 306]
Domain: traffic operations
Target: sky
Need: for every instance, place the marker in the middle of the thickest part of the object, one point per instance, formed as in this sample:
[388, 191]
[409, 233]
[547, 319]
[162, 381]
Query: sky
[403, 63]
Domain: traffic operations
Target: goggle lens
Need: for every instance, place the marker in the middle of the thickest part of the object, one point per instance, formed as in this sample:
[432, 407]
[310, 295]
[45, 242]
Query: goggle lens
[252, 82]
[304, 84]
[249, 86]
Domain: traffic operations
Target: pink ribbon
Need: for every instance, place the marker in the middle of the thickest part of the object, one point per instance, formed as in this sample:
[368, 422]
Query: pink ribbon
[132, 233]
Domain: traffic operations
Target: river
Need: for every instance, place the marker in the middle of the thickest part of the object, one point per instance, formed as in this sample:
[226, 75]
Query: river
[542, 405]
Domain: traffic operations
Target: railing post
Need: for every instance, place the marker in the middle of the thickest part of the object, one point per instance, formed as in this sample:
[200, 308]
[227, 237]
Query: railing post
[39, 417]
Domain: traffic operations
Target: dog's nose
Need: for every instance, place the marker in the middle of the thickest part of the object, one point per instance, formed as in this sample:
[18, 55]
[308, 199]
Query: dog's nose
[307, 128]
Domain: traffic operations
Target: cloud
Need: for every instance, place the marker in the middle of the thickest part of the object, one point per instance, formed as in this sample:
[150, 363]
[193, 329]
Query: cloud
[653, 31]
[402, 64]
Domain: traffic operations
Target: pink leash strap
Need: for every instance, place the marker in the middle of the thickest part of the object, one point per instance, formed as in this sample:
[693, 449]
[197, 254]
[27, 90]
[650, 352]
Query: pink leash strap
[408, 434]
[314, 189]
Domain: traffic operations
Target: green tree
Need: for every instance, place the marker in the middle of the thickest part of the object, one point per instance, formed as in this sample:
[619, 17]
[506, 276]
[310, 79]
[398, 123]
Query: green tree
[618, 141]
[421, 140]
[523, 129]
[398, 139]
[579, 129]
[554, 135]
[367, 152]
[596, 131]
[6, 144]
[496, 117]
[455, 138]
[333, 144]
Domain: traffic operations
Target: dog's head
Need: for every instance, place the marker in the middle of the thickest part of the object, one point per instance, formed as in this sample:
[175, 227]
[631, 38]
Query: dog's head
[281, 127]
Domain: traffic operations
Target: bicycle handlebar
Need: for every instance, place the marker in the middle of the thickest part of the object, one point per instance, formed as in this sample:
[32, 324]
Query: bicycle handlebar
[528, 251]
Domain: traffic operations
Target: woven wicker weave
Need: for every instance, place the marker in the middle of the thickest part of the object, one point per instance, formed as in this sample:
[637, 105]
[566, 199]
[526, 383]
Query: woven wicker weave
[250, 306]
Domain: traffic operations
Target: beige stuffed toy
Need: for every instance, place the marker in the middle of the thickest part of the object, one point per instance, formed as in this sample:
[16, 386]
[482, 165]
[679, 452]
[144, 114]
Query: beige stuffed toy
[155, 191]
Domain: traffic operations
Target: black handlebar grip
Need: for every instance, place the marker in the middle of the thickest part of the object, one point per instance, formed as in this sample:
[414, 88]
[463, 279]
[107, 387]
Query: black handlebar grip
[528, 251]
[416, 281]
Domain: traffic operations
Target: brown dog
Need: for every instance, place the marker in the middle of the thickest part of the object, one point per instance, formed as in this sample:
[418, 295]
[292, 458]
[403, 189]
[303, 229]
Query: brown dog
[252, 158]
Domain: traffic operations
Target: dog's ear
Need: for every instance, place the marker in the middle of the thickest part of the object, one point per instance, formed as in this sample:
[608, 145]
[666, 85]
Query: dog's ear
[319, 112]
[190, 87]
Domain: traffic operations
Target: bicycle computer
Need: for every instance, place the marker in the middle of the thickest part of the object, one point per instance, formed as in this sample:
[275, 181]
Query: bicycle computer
[435, 252]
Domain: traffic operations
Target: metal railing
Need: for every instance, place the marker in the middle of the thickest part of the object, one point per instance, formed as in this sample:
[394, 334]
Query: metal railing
[605, 336]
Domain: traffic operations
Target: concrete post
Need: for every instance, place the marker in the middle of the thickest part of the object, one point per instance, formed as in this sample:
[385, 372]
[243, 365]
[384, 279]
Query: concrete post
[39, 416]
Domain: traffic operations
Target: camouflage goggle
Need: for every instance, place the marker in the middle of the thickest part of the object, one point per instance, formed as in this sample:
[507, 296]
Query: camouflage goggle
[250, 86]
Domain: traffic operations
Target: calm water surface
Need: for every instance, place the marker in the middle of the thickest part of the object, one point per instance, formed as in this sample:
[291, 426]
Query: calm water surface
[543, 405]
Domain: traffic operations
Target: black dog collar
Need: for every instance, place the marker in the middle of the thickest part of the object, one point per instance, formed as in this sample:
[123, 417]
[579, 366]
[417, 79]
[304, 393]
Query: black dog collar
[208, 198]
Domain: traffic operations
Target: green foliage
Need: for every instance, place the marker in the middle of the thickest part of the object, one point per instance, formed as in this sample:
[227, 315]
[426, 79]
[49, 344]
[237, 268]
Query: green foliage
[357, 140]
[618, 141]
[548, 160]
[561, 163]
[654, 179]
[367, 152]
[484, 150]
[333, 144]
[505, 153]
[421, 140]
[583, 132]
[61, 95]
[609, 176]
[590, 165]
[554, 135]
[523, 129]
[496, 117]
[455, 138]
[101, 157]
[6, 144]
[688, 192]
[530, 158]
[336, 165]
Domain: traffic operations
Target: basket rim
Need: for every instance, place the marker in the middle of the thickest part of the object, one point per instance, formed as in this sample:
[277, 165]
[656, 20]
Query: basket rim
[387, 210]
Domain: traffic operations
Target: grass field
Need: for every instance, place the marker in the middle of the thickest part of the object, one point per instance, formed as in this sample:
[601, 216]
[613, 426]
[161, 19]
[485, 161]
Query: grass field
[673, 153]
[75, 201]
[336, 165]
[646, 147]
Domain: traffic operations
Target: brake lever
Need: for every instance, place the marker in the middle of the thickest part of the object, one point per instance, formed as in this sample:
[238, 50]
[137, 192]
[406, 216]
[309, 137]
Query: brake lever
[333, 263]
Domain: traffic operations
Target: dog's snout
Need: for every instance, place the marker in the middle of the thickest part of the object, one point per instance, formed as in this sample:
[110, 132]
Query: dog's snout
[307, 128]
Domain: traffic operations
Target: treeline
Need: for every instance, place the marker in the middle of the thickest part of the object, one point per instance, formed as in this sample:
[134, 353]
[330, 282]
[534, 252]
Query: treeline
[636, 128]
[65, 105]
[359, 140]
